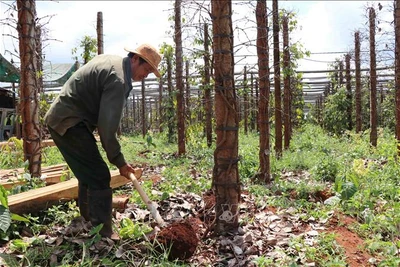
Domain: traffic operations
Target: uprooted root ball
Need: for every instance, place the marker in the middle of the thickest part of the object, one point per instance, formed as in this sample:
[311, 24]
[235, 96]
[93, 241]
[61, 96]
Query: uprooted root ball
[181, 238]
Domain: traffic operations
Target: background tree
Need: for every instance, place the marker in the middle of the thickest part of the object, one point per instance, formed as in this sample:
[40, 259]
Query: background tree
[397, 71]
[179, 79]
[29, 85]
[335, 119]
[286, 82]
[349, 93]
[88, 45]
[207, 87]
[277, 80]
[264, 87]
[373, 104]
[358, 108]
[225, 173]
[294, 52]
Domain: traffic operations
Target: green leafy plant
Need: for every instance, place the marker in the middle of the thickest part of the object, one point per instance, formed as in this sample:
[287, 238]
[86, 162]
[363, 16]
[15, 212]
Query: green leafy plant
[326, 169]
[263, 261]
[62, 214]
[12, 154]
[132, 230]
[29, 183]
[95, 233]
[326, 252]
[6, 216]
[335, 112]
[19, 245]
[88, 45]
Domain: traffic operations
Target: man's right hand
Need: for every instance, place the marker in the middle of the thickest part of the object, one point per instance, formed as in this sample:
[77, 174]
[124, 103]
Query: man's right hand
[126, 169]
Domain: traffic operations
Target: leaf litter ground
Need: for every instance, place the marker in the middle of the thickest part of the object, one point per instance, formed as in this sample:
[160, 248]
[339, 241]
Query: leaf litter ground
[265, 231]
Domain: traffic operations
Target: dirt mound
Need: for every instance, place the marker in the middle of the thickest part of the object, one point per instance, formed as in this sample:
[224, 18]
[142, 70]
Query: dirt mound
[181, 238]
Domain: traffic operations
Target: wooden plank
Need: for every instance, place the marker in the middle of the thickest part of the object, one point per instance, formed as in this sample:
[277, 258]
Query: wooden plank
[44, 169]
[49, 180]
[51, 175]
[45, 143]
[8, 184]
[42, 198]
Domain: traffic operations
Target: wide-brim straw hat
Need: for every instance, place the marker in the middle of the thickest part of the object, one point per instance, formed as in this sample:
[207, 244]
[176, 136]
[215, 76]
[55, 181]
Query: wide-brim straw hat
[149, 54]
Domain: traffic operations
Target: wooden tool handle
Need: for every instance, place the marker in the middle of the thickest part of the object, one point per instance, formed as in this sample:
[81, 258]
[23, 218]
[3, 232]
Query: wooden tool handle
[150, 205]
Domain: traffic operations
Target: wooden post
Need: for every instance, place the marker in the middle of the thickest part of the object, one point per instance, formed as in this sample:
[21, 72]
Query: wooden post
[144, 131]
[160, 105]
[179, 80]
[286, 83]
[150, 101]
[257, 103]
[349, 94]
[187, 83]
[277, 80]
[100, 43]
[170, 105]
[133, 111]
[207, 87]
[157, 114]
[373, 102]
[29, 85]
[358, 81]
[264, 84]
[397, 71]
[245, 101]
[226, 181]
[139, 113]
[341, 73]
[252, 107]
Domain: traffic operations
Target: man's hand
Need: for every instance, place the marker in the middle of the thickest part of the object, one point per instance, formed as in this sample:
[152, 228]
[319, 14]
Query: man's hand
[125, 170]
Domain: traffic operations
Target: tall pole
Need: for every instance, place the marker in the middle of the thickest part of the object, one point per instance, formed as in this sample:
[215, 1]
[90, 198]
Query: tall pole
[277, 80]
[100, 43]
[286, 83]
[264, 87]
[29, 84]
[358, 81]
[226, 183]
[397, 71]
[179, 80]
[373, 103]
[348, 92]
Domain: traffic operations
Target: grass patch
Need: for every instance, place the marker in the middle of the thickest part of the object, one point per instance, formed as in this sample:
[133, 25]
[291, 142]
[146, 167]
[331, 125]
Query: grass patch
[365, 179]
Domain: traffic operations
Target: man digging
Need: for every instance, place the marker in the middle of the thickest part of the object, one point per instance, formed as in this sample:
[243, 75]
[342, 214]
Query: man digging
[94, 97]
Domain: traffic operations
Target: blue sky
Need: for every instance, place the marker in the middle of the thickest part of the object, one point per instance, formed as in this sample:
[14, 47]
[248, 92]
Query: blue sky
[323, 26]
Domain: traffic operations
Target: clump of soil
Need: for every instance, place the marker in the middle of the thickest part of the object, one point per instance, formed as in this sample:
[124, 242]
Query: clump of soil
[181, 238]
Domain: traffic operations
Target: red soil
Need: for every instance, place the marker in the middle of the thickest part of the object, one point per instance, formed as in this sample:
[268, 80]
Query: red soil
[181, 238]
[351, 242]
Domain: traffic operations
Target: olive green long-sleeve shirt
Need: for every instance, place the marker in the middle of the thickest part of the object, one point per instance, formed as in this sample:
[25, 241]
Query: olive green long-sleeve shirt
[96, 95]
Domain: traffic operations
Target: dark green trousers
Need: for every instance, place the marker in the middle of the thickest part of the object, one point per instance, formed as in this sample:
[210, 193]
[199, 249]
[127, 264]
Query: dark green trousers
[79, 149]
